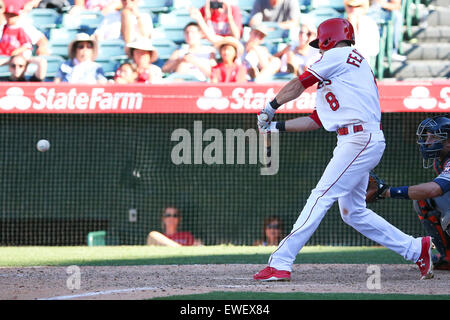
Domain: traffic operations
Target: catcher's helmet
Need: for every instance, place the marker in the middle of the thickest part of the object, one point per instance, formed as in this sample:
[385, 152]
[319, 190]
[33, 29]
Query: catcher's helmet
[331, 32]
[438, 130]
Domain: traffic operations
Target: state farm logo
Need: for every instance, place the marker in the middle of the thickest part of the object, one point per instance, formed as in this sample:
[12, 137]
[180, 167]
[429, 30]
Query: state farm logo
[248, 98]
[420, 98]
[15, 99]
[73, 99]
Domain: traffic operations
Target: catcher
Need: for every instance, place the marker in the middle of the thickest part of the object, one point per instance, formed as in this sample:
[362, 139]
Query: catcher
[431, 200]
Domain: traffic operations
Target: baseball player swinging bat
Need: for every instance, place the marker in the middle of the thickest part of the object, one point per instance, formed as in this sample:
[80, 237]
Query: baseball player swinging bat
[347, 103]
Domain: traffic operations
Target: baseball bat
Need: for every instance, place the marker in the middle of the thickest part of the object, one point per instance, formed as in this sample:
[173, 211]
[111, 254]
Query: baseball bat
[267, 143]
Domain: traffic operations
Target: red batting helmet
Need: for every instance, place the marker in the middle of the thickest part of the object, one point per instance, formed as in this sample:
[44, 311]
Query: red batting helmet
[331, 32]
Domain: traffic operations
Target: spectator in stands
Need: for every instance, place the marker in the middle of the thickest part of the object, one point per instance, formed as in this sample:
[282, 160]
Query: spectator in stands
[272, 232]
[260, 63]
[81, 66]
[14, 39]
[229, 69]
[192, 58]
[128, 24]
[170, 222]
[386, 10]
[218, 18]
[144, 54]
[296, 58]
[37, 37]
[18, 65]
[104, 6]
[61, 6]
[285, 12]
[126, 73]
[367, 34]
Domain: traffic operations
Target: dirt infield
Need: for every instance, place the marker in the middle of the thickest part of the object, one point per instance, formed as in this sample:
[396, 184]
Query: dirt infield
[143, 282]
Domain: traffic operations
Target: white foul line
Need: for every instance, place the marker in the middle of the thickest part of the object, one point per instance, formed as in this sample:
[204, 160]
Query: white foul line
[97, 293]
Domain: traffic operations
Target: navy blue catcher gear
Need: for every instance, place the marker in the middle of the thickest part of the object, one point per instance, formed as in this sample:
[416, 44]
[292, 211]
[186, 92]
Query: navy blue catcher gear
[431, 135]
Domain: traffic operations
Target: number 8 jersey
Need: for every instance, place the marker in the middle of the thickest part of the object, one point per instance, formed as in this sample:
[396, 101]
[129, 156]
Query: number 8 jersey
[347, 92]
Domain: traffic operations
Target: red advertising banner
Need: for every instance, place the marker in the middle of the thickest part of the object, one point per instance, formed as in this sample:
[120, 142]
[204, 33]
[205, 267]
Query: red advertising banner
[395, 96]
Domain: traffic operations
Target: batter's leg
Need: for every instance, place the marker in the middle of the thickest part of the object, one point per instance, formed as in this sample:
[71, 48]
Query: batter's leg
[355, 213]
[350, 160]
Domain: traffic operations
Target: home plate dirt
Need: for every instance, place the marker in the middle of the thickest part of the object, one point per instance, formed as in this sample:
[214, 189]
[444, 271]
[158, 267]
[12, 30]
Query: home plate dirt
[145, 282]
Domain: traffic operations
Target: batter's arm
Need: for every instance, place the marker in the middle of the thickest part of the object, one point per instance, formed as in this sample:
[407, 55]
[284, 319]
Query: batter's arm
[301, 124]
[291, 91]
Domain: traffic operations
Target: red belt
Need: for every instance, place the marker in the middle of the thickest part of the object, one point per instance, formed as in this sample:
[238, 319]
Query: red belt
[356, 128]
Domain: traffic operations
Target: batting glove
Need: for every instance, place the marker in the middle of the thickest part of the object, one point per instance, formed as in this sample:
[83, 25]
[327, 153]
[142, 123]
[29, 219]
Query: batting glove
[270, 112]
[271, 127]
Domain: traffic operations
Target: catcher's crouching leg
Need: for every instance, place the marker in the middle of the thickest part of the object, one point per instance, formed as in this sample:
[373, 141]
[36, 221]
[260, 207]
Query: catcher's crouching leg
[430, 219]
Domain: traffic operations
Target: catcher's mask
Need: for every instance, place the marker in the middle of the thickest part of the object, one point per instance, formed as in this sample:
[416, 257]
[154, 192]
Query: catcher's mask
[331, 32]
[431, 135]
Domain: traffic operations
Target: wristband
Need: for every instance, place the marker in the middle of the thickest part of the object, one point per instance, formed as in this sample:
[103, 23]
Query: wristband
[281, 126]
[399, 193]
[274, 103]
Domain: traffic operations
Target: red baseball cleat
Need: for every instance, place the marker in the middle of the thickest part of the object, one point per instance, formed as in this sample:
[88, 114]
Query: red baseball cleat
[272, 274]
[424, 262]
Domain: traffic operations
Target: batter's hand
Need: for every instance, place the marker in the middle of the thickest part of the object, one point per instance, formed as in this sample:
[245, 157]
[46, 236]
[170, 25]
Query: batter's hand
[265, 116]
[271, 127]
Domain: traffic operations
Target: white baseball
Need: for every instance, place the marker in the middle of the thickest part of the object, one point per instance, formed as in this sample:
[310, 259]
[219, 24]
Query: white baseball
[263, 117]
[43, 145]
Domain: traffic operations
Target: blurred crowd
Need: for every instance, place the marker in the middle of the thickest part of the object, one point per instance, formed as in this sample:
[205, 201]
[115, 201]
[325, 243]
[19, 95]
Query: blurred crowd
[222, 41]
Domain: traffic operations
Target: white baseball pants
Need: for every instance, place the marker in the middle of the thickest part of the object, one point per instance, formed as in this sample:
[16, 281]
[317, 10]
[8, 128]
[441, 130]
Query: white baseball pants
[345, 180]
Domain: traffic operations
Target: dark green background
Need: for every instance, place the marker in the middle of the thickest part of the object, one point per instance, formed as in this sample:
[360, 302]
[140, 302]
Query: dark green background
[100, 166]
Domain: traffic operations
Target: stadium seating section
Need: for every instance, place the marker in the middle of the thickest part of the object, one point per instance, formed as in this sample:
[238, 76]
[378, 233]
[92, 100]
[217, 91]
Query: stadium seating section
[170, 17]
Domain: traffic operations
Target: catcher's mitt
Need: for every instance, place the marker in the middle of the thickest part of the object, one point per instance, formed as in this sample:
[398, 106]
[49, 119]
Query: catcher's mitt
[375, 188]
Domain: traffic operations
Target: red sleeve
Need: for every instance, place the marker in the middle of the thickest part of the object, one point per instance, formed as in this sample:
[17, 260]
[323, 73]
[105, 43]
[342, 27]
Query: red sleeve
[315, 117]
[24, 39]
[307, 79]
[237, 16]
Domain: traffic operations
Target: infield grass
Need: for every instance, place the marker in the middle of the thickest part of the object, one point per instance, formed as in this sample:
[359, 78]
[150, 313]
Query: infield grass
[152, 255]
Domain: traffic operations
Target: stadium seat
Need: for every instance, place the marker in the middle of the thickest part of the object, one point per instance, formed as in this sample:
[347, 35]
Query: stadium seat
[245, 5]
[176, 18]
[84, 19]
[111, 49]
[165, 48]
[4, 71]
[305, 5]
[275, 34]
[337, 5]
[45, 19]
[174, 77]
[283, 77]
[178, 4]
[59, 47]
[109, 66]
[60, 34]
[245, 17]
[156, 6]
[53, 63]
[321, 14]
[174, 33]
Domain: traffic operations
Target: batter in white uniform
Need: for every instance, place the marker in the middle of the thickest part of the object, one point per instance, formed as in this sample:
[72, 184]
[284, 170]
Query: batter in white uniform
[347, 103]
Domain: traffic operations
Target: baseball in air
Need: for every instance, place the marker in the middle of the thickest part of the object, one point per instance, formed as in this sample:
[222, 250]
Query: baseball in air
[263, 116]
[43, 145]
